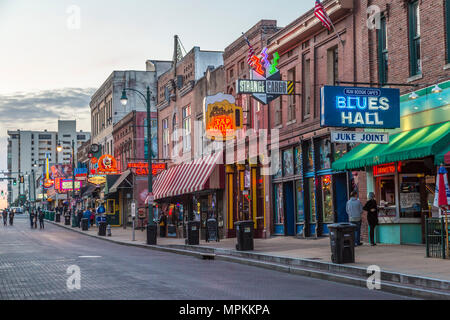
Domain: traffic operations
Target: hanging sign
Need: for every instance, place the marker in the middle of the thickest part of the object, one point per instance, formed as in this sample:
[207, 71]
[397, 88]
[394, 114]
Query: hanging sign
[66, 185]
[222, 117]
[141, 168]
[107, 164]
[360, 137]
[97, 179]
[360, 107]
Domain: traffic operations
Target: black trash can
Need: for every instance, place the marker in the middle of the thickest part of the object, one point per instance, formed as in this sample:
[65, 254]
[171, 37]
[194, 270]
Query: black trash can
[67, 220]
[152, 231]
[58, 217]
[244, 234]
[102, 228]
[211, 230]
[342, 241]
[193, 233]
[85, 224]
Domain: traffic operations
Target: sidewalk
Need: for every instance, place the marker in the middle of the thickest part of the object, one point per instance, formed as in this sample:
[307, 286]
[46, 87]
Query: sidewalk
[404, 259]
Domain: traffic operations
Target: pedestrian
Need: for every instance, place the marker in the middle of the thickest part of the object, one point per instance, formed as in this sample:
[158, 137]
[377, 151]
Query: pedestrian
[87, 215]
[79, 216]
[372, 216]
[11, 217]
[31, 218]
[5, 217]
[36, 217]
[162, 225]
[354, 209]
[92, 218]
[41, 220]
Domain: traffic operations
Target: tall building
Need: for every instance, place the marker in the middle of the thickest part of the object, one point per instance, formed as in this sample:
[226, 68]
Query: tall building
[106, 109]
[28, 148]
[66, 134]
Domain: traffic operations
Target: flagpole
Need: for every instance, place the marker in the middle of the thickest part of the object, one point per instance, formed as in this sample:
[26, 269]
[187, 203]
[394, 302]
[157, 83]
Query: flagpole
[337, 33]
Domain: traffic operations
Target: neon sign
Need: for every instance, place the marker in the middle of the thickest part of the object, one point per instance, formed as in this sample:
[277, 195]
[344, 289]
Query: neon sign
[257, 65]
[273, 67]
[141, 168]
[265, 58]
[360, 107]
[107, 164]
[66, 185]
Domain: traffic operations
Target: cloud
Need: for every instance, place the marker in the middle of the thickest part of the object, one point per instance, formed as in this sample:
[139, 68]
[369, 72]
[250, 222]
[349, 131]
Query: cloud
[21, 108]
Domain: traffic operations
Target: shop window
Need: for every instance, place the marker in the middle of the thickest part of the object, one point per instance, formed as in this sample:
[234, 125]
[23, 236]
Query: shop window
[325, 154]
[339, 150]
[279, 212]
[299, 202]
[327, 199]
[312, 201]
[410, 196]
[309, 165]
[288, 162]
[306, 89]
[386, 187]
[298, 159]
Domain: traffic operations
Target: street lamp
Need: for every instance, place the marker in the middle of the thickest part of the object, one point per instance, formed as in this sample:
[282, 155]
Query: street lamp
[151, 227]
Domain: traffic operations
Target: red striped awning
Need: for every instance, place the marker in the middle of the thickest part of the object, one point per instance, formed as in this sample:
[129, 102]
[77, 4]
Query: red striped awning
[185, 178]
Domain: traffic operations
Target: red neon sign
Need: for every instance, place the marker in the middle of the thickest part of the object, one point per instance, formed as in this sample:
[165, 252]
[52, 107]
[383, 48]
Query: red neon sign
[141, 168]
[387, 168]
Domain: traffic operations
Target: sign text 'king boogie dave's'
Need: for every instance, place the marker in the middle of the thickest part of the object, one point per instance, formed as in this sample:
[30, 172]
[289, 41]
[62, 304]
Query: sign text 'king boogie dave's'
[360, 107]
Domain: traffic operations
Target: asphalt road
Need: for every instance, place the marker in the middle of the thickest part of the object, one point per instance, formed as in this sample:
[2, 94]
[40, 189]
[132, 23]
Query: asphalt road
[34, 263]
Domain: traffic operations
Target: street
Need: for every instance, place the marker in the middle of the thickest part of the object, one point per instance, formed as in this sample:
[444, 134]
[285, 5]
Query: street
[34, 263]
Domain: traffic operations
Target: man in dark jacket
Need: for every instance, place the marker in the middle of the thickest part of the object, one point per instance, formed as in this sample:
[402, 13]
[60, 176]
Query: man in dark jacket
[41, 220]
[372, 216]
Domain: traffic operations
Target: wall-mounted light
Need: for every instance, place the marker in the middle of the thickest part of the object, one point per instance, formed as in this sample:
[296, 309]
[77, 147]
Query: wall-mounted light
[413, 96]
[436, 89]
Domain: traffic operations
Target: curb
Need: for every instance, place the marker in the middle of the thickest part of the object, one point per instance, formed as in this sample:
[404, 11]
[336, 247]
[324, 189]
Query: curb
[350, 275]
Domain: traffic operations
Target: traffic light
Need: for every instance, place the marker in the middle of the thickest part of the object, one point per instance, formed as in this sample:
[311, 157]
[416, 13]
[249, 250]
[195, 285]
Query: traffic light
[14, 182]
[22, 180]
[2, 192]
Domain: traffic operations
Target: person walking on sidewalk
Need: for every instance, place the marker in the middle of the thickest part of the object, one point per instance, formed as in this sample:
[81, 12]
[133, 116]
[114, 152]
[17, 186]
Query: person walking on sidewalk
[32, 213]
[11, 217]
[5, 218]
[41, 220]
[354, 210]
[372, 216]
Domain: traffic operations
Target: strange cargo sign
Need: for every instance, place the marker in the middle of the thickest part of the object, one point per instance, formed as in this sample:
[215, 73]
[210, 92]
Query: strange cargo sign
[360, 107]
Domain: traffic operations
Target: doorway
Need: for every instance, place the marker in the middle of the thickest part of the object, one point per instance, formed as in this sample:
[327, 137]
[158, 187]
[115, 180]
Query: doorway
[289, 208]
[340, 190]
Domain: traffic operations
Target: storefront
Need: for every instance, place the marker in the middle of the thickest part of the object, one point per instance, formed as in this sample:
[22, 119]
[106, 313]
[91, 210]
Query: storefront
[402, 174]
[191, 191]
[308, 194]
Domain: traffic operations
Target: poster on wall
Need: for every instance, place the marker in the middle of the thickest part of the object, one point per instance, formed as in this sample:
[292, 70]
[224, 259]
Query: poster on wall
[359, 107]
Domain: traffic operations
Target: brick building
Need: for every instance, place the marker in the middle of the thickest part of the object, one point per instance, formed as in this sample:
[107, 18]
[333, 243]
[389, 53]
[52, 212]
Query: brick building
[192, 186]
[255, 118]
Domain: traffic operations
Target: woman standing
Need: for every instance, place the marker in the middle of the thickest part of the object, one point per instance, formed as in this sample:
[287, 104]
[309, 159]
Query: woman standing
[372, 216]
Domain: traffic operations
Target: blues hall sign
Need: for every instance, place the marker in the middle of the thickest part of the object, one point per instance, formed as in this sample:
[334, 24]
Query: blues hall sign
[360, 107]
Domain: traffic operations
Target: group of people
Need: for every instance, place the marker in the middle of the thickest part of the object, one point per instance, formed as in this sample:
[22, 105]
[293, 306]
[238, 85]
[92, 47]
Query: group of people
[5, 214]
[355, 209]
[35, 216]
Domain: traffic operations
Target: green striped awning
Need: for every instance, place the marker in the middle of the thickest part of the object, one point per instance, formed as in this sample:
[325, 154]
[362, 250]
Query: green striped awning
[439, 158]
[414, 144]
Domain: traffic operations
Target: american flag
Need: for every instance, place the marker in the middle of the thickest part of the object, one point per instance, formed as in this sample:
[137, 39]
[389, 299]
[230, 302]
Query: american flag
[321, 14]
[251, 52]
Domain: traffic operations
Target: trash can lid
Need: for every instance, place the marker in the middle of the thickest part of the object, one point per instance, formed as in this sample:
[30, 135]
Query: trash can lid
[341, 225]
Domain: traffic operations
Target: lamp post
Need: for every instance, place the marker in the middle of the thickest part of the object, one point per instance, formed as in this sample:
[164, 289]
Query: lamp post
[59, 148]
[151, 227]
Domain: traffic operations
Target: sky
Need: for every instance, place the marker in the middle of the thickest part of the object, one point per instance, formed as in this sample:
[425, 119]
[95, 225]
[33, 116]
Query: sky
[55, 53]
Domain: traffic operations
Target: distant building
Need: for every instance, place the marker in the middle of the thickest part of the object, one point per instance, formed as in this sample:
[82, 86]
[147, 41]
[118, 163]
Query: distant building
[106, 109]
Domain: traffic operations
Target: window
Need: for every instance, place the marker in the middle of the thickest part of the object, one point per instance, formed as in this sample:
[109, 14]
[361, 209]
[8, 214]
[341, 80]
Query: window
[306, 89]
[174, 131]
[45, 136]
[332, 66]
[325, 153]
[81, 137]
[415, 61]
[165, 137]
[66, 135]
[447, 26]
[288, 162]
[278, 111]
[382, 52]
[291, 98]
[187, 128]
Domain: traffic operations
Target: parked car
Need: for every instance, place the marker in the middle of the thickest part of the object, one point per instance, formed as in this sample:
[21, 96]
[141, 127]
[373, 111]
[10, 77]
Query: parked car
[16, 210]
